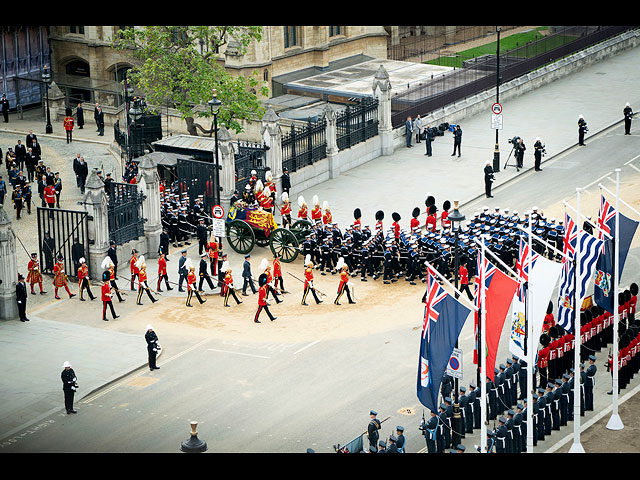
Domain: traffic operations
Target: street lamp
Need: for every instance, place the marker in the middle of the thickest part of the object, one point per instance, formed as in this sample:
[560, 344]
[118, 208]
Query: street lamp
[46, 78]
[214, 105]
[456, 219]
[496, 152]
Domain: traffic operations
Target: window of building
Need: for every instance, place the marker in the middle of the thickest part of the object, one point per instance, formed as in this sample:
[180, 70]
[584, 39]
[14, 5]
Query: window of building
[290, 37]
[333, 31]
[265, 75]
[77, 29]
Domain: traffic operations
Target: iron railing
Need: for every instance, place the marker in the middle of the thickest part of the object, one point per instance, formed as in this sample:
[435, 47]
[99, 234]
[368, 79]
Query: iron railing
[480, 74]
[250, 156]
[357, 123]
[304, 146]
[124, 212]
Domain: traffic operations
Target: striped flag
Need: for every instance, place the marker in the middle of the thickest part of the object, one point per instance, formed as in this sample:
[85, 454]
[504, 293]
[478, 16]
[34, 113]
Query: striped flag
[590, 248]
[565, 294]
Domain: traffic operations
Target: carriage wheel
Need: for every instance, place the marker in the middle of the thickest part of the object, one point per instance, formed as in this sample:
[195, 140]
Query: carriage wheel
[240, 236]
[302, 226]
[285, 244]
[262, 242]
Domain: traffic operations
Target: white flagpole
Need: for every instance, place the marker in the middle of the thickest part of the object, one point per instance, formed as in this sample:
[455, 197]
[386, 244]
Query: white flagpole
[577, 446]
[530, 357]
[482, 355]
[598, 229]
[619, 199]
[615, 422]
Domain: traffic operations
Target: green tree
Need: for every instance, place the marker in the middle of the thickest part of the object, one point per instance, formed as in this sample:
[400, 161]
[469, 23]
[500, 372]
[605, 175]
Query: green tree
[179, 66]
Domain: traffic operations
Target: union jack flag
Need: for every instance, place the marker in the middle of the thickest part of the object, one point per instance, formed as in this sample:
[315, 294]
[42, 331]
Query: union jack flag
[570, 237]
[606, 213]
[522, 266]
[435, 294]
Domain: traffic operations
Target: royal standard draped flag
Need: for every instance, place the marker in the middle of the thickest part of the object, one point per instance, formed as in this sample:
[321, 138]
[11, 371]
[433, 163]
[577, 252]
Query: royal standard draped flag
[444, 317]
[603, 277]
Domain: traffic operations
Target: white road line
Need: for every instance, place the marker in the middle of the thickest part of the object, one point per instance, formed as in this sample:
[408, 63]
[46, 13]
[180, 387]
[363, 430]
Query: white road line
[634, 158]
[237, 353]
[596, 181]
[306, 346]
[634, 167]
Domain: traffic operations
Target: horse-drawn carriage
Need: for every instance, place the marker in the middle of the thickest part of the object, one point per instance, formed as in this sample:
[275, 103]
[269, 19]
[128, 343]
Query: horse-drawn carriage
[247, 226]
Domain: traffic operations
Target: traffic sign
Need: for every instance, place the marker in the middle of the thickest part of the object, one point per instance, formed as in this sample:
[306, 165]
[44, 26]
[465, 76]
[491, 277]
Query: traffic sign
[218, 227]
[496, 121]
[454, 367]
[496, 108]
[217, 211]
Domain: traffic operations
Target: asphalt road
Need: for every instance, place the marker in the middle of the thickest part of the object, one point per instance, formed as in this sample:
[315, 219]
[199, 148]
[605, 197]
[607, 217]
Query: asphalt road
[254, 396]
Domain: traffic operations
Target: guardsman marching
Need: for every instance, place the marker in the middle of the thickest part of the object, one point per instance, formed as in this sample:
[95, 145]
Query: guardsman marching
[316, 211]
[327, 218]
[134, 270]
[60, 278]
[266, 269]
[277, 273]
[303, 212]
[285, 210]
[109, 266]
[431, 222]
[308, 282]
[83, 280]
[162, 272]
[34, 276]
[106, 295]
[344, 282]
[191, 284]
[143, 286]
[263, 285]
[372, 428]
[228, 288]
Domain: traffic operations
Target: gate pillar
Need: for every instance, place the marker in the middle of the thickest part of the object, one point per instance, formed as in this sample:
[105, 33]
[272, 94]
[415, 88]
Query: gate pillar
[382, 91]
[149, 182]
[272, 137]
[8, 268]
[96, 204]
[227, 173]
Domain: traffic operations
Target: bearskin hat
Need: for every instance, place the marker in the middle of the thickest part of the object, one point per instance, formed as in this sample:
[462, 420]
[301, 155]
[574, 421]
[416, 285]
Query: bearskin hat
[379, 215]
[396, 216]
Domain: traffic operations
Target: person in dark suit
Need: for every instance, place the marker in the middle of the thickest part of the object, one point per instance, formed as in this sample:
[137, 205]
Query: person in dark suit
[286, 180]
[428, 139]
[49, 250]
[202, 233]
[31, 161]
[95, 116]
[582, 128]
[21, 298]
[100, 121]
[182, 270]
[519, 151]
[152, 347]
[5, 108]
[246, 274]
[204, 275]
[113, 255]
[107, 184]
[457, 141]
[82, 172]
[164, 243]
[488, 179]
[31, 138]
[69, 386]
[21, 152]
[80, 116]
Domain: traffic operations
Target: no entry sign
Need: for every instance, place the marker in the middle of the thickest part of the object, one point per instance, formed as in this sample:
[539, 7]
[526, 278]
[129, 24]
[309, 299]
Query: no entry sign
[454, 367]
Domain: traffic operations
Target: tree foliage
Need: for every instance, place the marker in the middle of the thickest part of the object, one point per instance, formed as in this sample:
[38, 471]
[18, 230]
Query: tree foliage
[179, 66]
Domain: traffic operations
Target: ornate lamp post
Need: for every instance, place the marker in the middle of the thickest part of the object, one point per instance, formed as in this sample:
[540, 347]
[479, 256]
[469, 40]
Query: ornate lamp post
[456, 219]
[46, 78]
[214, 105]
[496, 152]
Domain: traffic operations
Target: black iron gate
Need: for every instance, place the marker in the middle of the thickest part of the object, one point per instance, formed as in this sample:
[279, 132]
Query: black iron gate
[250, 156]
[197, 178]
[124, 212]
[66, 233]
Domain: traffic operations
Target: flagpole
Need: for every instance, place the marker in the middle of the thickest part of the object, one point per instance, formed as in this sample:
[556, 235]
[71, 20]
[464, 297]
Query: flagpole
[577, 446]
[615, 422]
[440, 277]
[482, 354]
[530, 356]
[589, 222]
[617, 198]
[545, 243]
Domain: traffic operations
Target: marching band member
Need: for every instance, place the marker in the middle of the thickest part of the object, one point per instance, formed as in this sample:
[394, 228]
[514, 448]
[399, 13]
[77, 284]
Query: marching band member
[285, 210]
[83, 280]
[142, 281]
[60, 278]
[262, 298]
[34, 276]
[106, 296]
[228, 288]
[344, 281]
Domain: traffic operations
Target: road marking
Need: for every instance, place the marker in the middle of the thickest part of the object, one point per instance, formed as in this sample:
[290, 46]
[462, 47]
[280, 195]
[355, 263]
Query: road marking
[306, 346]
[237, 353]
[634, 167]
[634, 158]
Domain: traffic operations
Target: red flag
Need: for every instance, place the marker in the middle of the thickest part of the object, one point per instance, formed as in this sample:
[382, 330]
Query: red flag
[500, 291]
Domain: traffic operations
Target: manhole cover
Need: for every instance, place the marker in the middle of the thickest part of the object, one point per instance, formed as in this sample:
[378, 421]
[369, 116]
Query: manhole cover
[407, 411]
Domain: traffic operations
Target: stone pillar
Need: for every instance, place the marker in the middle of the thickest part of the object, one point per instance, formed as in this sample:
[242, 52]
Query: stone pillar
[8, 268]
[95, 201]
[149, 185]
[57, 103]
[272, 137]
[382, 91]
[226, 158]
[332, 142]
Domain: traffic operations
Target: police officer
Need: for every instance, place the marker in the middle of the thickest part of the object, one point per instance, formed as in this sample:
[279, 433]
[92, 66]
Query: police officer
[538, 149]
[628, 115]
[582, 128]
[488, 179]
[372, 428]
[457, 140]
[69, 386]
[152, 347]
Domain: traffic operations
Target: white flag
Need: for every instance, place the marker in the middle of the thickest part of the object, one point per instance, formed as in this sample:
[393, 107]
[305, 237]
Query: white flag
[542, 282]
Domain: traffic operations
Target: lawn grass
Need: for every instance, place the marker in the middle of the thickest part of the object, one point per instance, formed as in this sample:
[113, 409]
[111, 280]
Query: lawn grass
[507, 43]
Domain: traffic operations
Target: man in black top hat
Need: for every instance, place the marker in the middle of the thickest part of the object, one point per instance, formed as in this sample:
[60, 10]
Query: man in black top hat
[21, 298]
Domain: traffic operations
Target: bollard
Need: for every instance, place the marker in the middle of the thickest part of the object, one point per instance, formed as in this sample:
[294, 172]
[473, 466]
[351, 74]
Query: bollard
[194, 444]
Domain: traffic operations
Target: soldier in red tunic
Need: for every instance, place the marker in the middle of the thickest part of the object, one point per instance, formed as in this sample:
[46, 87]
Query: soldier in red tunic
[110, 268]
[379, 217]
[266, 201]
[277, 273]
[34, 276]
[266, 268]
[143, 286]
[464, 280]
[191, 284]
[444, 216]
[316, 212]
[326, 216]
[308, 282]
[60, 278]
[106, 297]
[357, 215]
[430, 224]
[213, 249]
[303, 212]
[162, 272]
[344, 280]
[227, 287]
[395, 225]
[549, 320]
[262, 299]
[134, 270]
[83, 280]
[414, 218]
[285, 211]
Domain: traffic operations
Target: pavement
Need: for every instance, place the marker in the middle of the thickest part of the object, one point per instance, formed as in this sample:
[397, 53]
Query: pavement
[101, 352]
